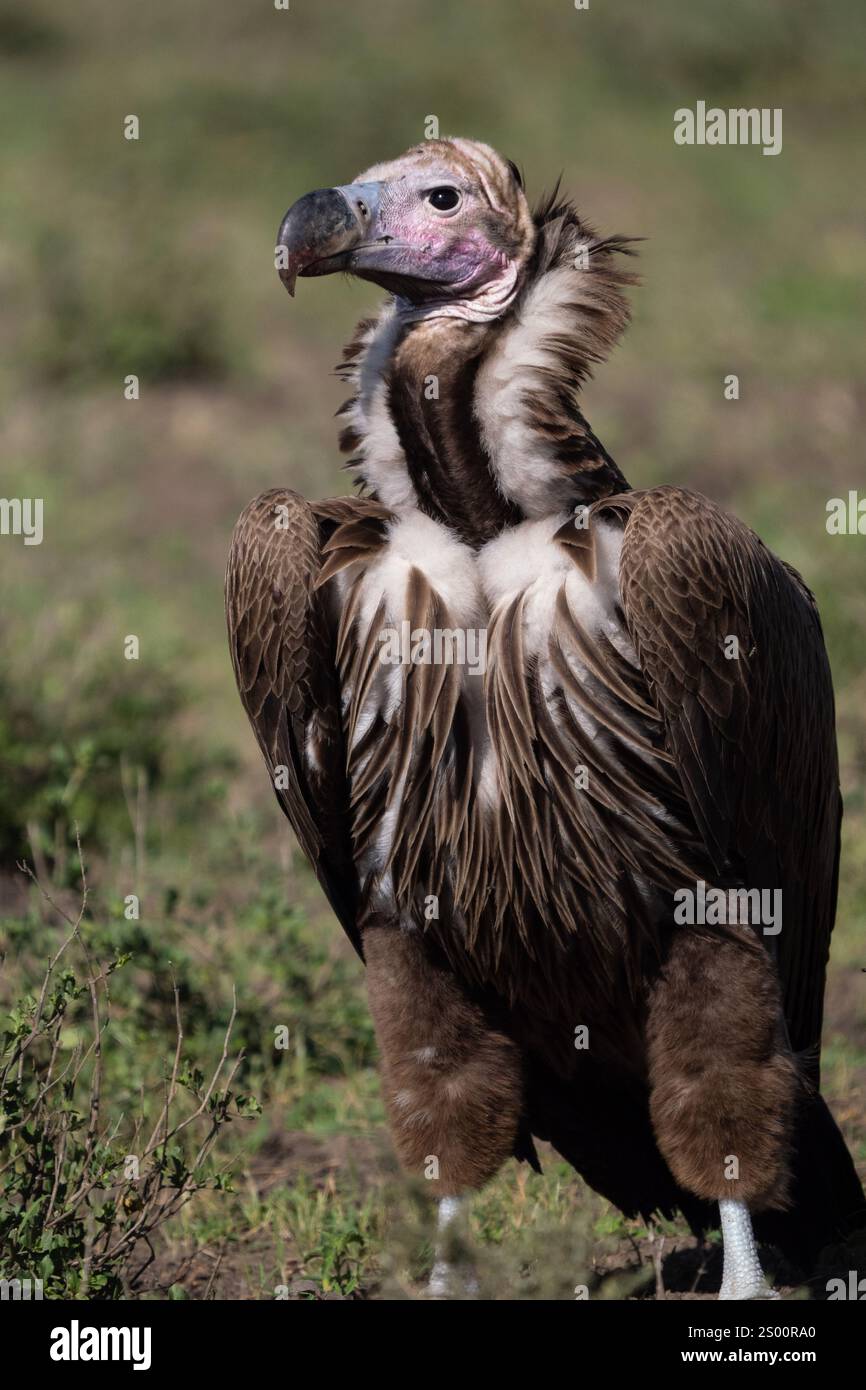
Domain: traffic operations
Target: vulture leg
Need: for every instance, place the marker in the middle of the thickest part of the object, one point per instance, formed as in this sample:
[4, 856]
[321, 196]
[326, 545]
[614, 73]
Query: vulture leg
[742, 1276]
[452, 1081]
[723, 1086]
[446, 1279]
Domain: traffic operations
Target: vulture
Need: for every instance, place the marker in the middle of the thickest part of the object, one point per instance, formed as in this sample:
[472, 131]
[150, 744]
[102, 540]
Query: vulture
[560, 752]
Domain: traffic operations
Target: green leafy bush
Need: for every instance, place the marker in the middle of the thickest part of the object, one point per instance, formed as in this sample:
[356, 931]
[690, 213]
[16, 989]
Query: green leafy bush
[84, 1184]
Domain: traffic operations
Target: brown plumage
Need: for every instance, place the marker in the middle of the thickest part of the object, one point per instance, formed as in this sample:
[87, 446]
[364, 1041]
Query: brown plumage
[504, 847]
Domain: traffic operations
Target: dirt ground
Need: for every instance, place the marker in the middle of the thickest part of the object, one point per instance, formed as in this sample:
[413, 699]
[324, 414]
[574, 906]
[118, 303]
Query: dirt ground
[674, 1267]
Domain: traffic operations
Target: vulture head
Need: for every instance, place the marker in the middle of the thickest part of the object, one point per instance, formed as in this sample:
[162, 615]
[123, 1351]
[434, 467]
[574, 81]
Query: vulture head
[445, 228]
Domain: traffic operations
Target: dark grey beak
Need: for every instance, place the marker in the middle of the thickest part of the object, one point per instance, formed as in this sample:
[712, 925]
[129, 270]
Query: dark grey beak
[320, 231]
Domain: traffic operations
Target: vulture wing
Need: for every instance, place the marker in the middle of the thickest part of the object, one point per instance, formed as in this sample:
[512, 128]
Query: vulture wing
[282, 648]
[730, 643]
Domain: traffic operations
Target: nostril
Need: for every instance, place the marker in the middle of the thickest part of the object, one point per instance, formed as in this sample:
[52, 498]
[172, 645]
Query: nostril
[362, 208]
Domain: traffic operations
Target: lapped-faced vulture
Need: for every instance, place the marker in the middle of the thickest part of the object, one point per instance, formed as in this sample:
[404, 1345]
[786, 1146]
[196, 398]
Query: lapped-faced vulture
[561, 753]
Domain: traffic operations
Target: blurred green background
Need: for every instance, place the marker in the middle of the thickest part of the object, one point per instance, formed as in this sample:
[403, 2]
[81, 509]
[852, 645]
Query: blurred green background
[155, 257]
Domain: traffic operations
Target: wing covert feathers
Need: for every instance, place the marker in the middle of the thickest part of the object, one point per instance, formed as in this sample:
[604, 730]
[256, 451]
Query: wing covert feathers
[752, 734]
[283, 659]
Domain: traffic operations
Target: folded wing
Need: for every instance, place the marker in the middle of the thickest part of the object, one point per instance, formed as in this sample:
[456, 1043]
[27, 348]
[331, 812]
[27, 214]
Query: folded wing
[730, 642]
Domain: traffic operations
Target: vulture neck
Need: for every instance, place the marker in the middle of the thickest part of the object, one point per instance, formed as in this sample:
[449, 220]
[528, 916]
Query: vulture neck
[441, 399]
[477, 423]
[431, 399]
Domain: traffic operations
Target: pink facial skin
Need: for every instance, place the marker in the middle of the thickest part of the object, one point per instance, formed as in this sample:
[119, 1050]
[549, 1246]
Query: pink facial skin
[444, 262]
[462, 262]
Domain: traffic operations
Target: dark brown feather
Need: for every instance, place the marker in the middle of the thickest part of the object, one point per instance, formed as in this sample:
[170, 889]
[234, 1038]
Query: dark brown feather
[753, 738]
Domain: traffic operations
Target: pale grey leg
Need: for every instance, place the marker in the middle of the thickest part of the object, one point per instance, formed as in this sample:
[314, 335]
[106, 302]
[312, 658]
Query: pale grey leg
[742, 1276]
[446, 1281]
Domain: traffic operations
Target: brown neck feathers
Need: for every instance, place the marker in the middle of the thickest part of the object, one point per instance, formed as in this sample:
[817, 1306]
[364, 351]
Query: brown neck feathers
[432, 383]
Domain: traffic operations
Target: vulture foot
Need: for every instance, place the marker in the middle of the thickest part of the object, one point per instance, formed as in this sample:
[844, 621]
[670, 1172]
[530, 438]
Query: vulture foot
[452, 1281]
[742, 1276]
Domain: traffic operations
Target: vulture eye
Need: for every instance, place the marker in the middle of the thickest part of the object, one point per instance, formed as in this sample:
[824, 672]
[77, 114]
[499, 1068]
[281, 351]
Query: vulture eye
[443, 199]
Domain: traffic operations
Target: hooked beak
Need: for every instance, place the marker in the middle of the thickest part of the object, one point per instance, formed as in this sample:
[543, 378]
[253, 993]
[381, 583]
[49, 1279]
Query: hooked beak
[322, 232]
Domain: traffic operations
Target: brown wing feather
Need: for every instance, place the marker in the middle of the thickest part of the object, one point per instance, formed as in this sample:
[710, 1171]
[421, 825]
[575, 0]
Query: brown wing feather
[753, 738]
[283, 655]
